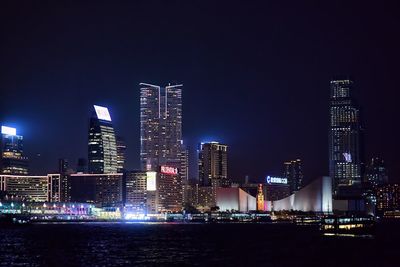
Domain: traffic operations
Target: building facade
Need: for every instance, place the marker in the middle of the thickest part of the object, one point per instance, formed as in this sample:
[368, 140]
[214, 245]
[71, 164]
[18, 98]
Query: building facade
[136, 191]
[213, 164]
[104, 190]
[169, 190]
[102, 146]
[12, 159]
[235, 199]
[345, 139]
[160, 126]
[316, 197]
[32, 188]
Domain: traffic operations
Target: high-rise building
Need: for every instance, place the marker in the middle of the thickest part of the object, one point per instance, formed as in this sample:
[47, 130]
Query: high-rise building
[12, 159]
[121, 151]
[160, 126]
[345, 140]
[374, 180]
[102, 146]
[65, 190]
[388, 198]
[169, 190]
[136, 190]
[184, 168]
[376, 174]
[32, 188]
[293, 172]
[213, 164]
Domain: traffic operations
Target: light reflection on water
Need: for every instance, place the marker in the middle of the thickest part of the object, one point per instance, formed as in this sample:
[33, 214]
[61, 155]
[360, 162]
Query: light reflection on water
[150, 244]
[348, 235]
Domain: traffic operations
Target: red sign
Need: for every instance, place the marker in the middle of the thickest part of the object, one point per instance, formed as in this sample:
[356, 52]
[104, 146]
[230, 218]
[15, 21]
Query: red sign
[169, 170]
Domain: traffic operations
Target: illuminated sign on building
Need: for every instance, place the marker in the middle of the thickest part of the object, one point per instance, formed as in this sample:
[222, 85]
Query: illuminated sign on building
[276, 180]
[169, 170]
[8, 130]
[102, 113]
[347, 157]
[151, 181]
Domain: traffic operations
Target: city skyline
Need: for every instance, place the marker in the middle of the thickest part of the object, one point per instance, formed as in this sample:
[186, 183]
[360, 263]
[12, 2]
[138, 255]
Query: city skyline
[199, 133]
[265, 99]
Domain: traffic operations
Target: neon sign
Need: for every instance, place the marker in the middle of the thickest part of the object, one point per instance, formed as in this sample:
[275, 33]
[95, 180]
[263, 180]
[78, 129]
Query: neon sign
[169, 170]
[276, 180]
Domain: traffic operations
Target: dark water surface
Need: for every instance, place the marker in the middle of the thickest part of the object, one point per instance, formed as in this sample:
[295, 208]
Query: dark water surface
[120, 244]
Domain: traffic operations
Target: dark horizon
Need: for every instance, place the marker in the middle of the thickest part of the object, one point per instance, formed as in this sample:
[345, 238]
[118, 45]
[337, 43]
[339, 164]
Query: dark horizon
[256, 76]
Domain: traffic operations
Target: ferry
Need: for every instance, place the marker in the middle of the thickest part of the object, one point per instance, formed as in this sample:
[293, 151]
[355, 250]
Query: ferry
[355, 225]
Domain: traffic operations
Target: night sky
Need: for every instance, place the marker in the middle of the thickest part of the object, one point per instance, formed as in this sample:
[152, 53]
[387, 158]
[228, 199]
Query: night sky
[256, 75]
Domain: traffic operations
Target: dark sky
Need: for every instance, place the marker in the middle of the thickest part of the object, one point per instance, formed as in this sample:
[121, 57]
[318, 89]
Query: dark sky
[256, 75]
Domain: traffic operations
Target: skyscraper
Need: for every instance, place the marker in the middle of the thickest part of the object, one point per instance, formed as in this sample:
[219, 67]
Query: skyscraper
[121, 150]
[65, 186]
[374, 180]
[376, 174]
[184, 168]
[213, 164]
[344, 139]
[12, 159]
[294, 174]
[160, 126]
[102, 147]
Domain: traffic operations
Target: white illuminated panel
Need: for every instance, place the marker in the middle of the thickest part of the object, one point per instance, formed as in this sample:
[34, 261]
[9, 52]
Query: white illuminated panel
[8, 130]
[151, 181]
[102, 113]
[276, 180]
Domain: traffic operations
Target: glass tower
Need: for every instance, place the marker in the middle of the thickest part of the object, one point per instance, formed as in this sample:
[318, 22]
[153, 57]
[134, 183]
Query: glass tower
[12, 160]
[102, 146]
[344, 138]
[160, 126]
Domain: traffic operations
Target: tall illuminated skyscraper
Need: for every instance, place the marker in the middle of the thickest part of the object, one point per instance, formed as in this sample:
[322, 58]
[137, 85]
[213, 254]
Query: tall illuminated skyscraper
[102, 146]
[160, 126]
[345, 148]
[12, 159]
[293, 172]
[213, 164]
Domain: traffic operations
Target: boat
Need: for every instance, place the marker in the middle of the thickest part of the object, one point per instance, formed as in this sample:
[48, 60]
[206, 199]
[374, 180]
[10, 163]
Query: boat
[353, 225]
[14, 219]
